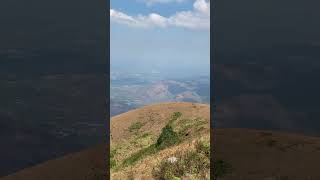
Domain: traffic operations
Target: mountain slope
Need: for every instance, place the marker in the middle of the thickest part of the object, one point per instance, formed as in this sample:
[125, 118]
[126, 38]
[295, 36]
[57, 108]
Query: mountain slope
[135, 137]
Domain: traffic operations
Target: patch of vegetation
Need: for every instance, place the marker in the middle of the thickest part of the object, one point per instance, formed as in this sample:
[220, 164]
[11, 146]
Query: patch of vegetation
[139, 155]
[119, 157]
[200, 121]
[186, 124]
[203, 147]
[167, 138]
[220, 169]
[142, 140]
[145, 135]
[113, 162]
[174, 117]
[191, 164]
[135, 126]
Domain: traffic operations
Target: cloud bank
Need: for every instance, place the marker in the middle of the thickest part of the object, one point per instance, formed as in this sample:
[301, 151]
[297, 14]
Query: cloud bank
[196, 19]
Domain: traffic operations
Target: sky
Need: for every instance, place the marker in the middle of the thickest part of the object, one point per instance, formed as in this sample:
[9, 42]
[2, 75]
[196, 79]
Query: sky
[160, 35]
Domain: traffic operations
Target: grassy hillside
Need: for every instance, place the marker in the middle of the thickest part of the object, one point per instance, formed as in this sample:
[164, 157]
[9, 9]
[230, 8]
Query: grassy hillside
[162, 141]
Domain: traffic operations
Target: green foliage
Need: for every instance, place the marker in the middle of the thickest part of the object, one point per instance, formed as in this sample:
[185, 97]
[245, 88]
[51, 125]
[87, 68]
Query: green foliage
[196, 125]
[135, 126]
[113, 162]
[167, 137]
[174, 117]
[139, 155]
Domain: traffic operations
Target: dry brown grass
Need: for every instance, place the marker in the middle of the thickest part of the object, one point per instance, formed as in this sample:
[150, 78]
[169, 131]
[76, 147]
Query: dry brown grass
[143, 170]
[193, 123]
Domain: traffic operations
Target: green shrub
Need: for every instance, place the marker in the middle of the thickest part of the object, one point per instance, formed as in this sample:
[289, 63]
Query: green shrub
[176, 115]
[167, 137]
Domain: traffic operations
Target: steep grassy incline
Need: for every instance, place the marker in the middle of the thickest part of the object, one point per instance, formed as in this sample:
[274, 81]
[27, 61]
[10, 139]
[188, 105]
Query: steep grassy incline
[162, 141]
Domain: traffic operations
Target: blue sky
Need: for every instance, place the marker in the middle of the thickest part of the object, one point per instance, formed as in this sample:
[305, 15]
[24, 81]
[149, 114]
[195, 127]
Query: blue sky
[160, 35]
[140, 6]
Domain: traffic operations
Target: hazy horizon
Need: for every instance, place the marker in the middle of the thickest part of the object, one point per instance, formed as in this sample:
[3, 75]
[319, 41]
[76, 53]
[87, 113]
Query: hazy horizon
[146, 42]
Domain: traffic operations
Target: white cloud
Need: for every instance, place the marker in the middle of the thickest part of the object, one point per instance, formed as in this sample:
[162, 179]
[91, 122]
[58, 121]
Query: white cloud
[152, 2]
[202, 6]
[198, 18]
[152, 20]
[190, 20]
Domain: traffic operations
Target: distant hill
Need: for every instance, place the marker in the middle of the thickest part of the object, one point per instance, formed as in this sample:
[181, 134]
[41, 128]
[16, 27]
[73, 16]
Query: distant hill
[136, 91]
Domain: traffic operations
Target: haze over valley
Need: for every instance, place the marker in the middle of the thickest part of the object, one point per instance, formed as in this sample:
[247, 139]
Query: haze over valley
[134, 90]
